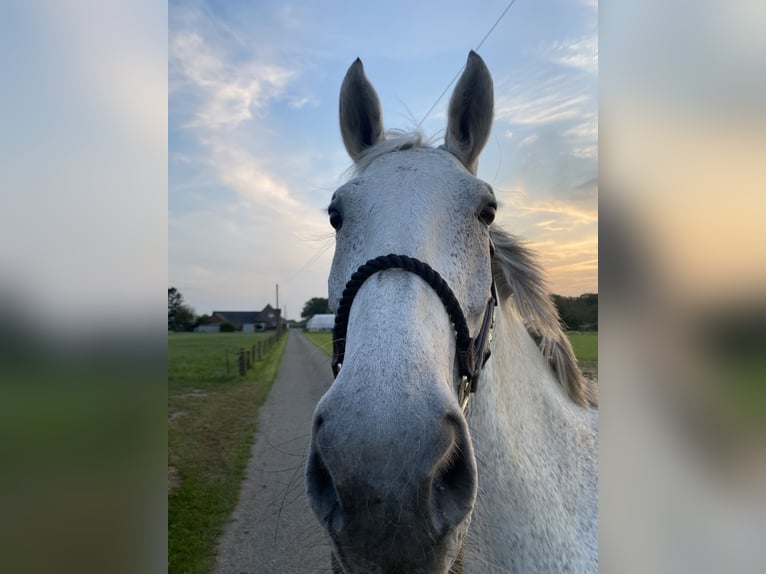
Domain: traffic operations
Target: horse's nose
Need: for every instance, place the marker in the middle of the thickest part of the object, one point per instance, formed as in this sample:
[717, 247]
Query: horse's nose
[373, 481]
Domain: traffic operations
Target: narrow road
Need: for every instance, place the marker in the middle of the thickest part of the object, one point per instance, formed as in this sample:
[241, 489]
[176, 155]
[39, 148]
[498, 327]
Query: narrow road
[272, 530]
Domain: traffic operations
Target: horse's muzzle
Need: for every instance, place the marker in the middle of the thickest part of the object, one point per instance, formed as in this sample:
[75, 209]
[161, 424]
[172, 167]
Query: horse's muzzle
[394, 497]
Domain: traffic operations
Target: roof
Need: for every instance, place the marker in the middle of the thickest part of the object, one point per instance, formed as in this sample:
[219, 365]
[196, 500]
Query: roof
[244, 317]
[239, 316]
[321, 322]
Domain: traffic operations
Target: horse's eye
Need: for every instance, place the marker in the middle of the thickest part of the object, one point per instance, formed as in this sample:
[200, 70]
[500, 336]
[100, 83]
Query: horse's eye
[487, 214]
[336, 219]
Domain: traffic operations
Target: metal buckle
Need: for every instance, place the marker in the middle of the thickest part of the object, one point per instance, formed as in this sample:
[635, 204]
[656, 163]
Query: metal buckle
[464, 393]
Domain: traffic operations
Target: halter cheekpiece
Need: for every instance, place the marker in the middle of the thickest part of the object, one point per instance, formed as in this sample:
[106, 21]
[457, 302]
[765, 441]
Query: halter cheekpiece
[472, 353]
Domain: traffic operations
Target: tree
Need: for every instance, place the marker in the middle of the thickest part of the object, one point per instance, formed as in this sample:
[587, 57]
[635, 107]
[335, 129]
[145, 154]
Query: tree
[315, 306]
[200, 320]
[578, 312]
[180, 315]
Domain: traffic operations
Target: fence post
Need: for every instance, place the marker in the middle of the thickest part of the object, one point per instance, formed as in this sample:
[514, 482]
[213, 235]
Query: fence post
[227, 361]
[242, 365]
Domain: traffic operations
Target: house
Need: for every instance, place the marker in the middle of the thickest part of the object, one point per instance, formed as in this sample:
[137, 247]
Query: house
[320, 323]
[248, 321]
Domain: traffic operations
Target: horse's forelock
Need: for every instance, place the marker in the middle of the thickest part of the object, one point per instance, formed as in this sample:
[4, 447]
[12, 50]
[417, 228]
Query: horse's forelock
[519, 278]
[394, 140]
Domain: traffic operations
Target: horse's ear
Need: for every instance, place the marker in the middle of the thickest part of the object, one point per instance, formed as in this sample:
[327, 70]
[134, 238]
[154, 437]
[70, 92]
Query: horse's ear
[470, 113]
[361, 119]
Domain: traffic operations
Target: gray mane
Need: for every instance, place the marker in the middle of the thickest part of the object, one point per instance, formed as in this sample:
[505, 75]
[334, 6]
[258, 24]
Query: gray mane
[518, 277]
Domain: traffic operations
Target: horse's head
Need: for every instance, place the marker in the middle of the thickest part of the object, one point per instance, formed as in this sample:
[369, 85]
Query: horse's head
[391, 472]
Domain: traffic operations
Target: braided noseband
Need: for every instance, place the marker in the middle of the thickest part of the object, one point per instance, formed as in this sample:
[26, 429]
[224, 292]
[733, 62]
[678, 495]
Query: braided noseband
[472, 354]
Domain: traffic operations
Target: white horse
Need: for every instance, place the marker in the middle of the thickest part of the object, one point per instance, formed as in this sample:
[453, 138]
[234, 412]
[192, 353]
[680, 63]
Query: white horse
[403, 479]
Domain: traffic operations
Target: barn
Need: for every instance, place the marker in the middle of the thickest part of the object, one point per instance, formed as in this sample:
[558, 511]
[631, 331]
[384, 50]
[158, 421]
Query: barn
[268, 318]
[320, 323]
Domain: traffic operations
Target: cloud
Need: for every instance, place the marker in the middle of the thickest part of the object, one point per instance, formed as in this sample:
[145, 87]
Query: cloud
[588, 189]
[562, 230]
[243, 219]
[545, 97]
[234, 247]
[584, 137]
[557, 115]
[238, 170]
[588, 152]
[561, 209]
[228, 92]
[298, 103]
[580, 53]
[546, 109]
[529, 140]
[587, 129]
[570, 265]
[563, 233]
[553, 225]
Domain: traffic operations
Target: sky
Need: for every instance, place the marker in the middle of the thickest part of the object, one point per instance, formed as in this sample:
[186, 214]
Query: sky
[254, 148]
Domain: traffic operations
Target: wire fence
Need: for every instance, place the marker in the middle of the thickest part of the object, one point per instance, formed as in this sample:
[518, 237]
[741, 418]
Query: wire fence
[242, 360]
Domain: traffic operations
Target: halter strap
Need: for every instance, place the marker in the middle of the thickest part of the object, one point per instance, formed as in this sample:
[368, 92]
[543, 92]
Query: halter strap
[472, 354]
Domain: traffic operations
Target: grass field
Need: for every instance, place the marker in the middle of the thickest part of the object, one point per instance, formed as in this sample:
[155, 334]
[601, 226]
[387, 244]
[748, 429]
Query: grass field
[585, 346]
[211, 423]
[200, 358]
[322, 340]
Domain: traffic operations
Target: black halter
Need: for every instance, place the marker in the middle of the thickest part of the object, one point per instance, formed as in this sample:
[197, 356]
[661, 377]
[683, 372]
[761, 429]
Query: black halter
[472, 353]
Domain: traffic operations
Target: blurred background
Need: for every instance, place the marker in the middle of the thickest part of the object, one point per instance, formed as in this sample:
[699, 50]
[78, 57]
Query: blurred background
[83, 269]
[682, 274]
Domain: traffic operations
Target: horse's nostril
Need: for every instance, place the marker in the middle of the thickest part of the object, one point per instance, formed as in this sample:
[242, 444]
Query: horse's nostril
[454, 475]
[453, 484]
[321, 491]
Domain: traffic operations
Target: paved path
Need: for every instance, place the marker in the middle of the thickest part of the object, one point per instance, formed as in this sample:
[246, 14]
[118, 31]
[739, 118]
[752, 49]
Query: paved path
[272, 530]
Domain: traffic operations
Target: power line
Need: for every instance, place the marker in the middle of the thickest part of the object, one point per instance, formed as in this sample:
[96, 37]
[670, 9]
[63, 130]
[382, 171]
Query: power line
[512, 2]
[428, 113]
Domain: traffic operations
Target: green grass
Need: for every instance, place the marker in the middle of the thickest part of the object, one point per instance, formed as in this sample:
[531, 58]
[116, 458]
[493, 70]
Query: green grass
[200, 358]
[321, 340]
[585, 346]
[211, 423]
